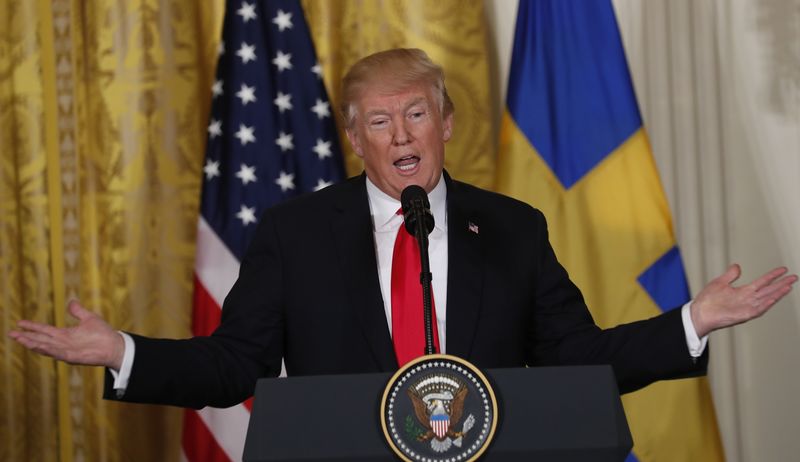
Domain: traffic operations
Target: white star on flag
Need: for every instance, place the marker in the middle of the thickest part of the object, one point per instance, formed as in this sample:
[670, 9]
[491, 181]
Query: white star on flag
[247, 11]
[322, 184]
[285, 181]
[247, 215]
[245, 134]
[246, 52]
[284, 102]
[216, 89]
[246, 174]
[317, 69]
[322, 149]
[285, 141]
[214, 128]
[321, 109]
[211, 169]
[246, 94]
[283, 61]
[283, 20]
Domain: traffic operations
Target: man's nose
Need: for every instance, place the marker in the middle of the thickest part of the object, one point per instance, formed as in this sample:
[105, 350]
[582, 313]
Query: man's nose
[401, 134]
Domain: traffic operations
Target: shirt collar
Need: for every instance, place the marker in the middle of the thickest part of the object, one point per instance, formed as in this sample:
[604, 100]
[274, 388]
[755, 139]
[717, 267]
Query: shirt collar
[384, 207]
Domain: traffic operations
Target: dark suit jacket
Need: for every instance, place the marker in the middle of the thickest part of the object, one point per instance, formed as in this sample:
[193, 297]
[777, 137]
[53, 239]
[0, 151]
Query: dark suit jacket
[308, 292]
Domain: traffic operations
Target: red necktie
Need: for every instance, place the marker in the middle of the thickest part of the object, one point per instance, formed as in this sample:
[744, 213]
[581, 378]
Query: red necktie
[408, 328]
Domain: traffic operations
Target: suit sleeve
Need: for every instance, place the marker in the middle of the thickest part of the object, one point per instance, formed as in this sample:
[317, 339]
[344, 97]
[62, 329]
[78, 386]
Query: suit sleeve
[219, 370]
[640, 353]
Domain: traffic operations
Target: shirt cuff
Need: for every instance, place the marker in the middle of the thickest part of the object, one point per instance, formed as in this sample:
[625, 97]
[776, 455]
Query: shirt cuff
[696, 345]
[122, 376]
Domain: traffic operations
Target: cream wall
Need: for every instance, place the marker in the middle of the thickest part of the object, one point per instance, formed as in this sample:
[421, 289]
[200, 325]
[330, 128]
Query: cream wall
[718, 82]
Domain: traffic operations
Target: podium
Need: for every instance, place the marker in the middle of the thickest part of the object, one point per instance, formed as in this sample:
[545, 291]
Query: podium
[548, 413]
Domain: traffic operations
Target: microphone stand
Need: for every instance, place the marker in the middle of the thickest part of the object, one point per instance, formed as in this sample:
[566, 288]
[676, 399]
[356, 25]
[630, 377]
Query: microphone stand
[425, 275]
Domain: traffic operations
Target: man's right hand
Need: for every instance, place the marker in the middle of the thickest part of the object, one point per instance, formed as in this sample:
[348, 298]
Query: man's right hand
[92, 342]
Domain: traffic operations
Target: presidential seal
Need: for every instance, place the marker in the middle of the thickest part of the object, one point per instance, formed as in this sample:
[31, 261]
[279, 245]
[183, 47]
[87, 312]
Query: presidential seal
[438, 408]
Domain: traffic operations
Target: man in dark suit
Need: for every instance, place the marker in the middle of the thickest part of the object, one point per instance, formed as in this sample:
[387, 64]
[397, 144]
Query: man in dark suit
[315, 286]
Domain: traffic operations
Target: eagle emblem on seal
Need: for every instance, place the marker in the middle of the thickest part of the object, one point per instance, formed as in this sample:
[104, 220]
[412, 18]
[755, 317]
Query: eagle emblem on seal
[438, 402]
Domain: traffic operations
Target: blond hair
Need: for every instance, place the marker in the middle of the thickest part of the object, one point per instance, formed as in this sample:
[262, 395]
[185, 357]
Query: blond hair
[393, 70]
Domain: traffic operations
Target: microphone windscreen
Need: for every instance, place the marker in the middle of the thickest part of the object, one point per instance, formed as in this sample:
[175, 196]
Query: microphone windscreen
[414, 201]
[412, 193]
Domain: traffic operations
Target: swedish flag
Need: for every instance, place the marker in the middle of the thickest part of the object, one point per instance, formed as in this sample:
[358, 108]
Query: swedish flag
[573, 145]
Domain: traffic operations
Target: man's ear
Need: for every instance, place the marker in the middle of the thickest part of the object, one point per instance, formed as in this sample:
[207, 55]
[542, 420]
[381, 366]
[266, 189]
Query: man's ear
[447, 128]
[354, 142]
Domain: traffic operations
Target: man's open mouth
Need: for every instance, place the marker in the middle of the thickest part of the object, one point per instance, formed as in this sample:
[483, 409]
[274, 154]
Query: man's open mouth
[407, 163]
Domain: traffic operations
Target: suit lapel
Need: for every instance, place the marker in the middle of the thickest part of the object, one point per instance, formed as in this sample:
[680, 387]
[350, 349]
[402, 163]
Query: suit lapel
[352, 229]
[465, 273]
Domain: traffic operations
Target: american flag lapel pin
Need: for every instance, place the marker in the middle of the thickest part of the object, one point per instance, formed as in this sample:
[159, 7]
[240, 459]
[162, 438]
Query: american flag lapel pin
[472, 227]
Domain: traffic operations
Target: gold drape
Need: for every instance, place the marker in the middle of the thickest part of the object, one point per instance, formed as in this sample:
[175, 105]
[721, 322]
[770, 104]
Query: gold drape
[452, 32]
[103, 109]
[103, 113]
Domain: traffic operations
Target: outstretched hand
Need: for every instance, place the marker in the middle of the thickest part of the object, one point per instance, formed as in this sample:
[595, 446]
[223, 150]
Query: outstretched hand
[93, 342]
[720, 304]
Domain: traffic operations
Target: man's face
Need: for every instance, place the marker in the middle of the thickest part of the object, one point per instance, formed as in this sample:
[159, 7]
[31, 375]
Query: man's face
[401, 138]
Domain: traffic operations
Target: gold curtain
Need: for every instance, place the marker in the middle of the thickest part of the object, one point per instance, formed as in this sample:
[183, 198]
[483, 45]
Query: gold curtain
[103, 113]
[103, 109]
[452, 32]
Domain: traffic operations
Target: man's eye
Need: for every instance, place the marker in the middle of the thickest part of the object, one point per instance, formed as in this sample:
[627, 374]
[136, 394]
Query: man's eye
[416, 115]
[378, 123]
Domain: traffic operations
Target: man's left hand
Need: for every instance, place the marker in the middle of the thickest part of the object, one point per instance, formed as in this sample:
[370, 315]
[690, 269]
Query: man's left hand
[721, 305]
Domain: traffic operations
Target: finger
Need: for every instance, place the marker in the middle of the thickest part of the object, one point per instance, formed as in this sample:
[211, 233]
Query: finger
[771, 291]
[786, 281]
[14, 334]
[39, 343]
[731, 274]
[38, 338]
[767, 278]
[23, 340]
[773, 294]
[77, 311]
[31, 326]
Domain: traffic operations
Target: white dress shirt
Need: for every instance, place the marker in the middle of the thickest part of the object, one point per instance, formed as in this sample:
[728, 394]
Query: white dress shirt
[385, 224]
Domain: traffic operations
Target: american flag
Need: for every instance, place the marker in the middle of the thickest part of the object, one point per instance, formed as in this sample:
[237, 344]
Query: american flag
[271, 136]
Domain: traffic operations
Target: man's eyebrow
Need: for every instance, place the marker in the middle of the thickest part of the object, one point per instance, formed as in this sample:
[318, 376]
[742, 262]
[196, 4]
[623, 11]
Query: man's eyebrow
[410, 104]
[374, 112]
[416, 101]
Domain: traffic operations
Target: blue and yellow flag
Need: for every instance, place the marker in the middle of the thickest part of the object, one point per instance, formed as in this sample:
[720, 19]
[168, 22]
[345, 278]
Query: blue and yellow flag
[573, 145]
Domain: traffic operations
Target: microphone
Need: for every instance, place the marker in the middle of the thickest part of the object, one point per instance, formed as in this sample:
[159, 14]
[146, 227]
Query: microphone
[418, 221]
[416, 208]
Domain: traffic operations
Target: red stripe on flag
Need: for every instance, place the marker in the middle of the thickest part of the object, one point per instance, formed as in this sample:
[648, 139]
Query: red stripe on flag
[206, 313]
[198, 442]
